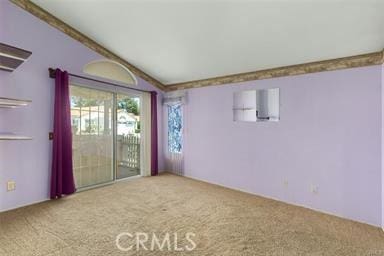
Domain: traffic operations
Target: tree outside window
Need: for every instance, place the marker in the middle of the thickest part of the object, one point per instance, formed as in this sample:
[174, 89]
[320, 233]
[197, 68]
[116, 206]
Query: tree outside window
[174, 129]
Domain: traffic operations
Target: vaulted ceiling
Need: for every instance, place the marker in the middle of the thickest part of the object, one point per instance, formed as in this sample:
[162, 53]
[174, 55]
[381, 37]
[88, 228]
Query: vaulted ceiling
[178, 41]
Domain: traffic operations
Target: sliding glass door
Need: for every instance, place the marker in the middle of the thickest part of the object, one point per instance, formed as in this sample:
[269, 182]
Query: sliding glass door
[105, 136]
[127, 136]
[92, 136]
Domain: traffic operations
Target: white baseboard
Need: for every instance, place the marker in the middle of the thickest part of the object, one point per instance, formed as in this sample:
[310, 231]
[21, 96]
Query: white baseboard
[24, 205]
[279, 200]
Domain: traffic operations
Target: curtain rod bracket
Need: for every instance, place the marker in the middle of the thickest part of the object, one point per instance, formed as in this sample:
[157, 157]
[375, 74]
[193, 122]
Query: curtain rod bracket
[52, 72]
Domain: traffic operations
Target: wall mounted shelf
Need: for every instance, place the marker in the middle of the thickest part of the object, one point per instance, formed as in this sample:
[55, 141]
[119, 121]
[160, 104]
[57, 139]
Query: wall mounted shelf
[12, 136]
[12, 57]
[12, 103]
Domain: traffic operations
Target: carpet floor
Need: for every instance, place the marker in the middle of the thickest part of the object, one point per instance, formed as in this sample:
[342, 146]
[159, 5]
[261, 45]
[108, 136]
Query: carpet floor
[223, 221]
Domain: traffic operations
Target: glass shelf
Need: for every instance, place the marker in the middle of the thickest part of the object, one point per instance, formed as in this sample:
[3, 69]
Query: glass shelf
[12, 103]
[12, 136]
[11, 57]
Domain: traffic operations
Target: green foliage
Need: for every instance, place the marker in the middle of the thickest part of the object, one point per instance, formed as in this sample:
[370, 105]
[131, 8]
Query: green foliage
[81, 102]
[130, 105]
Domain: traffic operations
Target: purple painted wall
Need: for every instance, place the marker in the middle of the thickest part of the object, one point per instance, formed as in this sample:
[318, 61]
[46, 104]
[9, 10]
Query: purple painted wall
[382, 147]
[28, 162]
[329, 136]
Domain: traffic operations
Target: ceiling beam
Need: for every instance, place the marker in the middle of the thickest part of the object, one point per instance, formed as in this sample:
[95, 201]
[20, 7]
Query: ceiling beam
[75, 34]
[375, 58]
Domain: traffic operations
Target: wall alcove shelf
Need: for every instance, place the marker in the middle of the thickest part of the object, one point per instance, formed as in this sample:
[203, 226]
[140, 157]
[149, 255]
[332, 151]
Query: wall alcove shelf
[12, 57]
[13, 103]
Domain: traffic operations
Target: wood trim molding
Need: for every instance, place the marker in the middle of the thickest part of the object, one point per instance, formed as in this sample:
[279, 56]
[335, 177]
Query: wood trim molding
[375, 58]
[75, 34]
[382, 57]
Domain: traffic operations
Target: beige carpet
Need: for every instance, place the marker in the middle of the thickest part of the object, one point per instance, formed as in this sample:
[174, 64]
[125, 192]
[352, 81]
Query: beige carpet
[225, 222]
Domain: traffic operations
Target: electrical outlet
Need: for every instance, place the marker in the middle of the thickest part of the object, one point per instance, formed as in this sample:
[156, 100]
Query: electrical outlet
[11, 185]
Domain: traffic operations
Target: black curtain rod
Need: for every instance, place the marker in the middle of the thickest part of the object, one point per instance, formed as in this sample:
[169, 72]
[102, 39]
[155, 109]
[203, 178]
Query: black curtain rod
[52, 74]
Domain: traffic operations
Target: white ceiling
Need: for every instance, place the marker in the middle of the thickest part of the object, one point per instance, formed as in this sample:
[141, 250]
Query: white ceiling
[176, 41]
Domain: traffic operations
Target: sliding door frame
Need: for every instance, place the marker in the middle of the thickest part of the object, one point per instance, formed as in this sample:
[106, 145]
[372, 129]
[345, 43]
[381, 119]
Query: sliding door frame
[114, 132]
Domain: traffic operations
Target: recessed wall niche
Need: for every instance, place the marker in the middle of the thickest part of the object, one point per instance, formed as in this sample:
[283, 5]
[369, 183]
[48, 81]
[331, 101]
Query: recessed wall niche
[262, 105]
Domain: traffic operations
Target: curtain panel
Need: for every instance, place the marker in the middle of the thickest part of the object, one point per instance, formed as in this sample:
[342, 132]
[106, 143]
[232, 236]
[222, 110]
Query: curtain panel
[146, 134]
[62, 180]
[174, 106]
[154, 149]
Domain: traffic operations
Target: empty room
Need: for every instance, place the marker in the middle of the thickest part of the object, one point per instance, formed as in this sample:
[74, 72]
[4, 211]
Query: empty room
[196, 127]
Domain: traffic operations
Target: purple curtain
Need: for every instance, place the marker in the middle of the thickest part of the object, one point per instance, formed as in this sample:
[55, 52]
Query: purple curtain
[154, 155]
[62, 181]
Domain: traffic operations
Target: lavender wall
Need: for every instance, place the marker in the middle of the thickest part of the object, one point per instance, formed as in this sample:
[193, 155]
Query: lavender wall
[28, 162]
[382, 147]
[329, 136]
